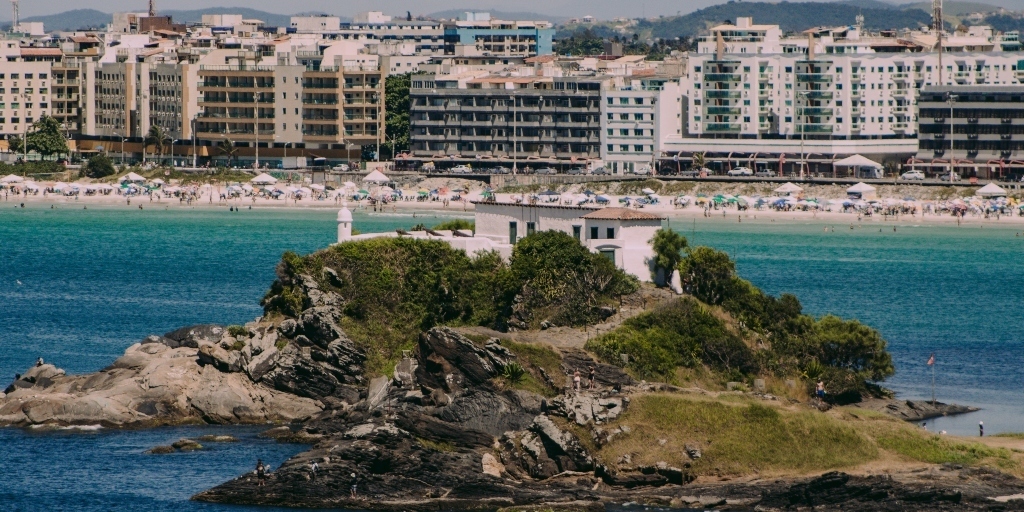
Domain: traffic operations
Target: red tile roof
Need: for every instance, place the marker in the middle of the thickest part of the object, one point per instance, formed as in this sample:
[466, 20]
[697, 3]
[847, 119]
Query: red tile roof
[614, 213]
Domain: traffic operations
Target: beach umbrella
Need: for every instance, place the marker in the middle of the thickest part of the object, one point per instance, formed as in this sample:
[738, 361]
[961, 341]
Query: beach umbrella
[603, 199]
[363, 191]
[263, 179]
[647, 191]
[549, 192]
[11, 178]
[132, 178]
[316, 187]
[60, 185]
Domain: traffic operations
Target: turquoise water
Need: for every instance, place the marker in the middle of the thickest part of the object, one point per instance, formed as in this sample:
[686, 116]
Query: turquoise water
[94, 281]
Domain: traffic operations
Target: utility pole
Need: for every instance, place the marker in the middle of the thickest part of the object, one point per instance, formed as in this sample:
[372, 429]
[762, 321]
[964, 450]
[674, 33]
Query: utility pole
[256, 122]
[803, 130]
[515, 142]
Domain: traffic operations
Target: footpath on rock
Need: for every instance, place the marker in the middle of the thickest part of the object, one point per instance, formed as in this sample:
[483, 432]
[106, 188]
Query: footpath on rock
[472, 418]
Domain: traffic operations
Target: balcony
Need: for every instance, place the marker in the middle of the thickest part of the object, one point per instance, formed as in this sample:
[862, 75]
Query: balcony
[319, 101]
[763, 77]
[856, 93]
[722, 77]
[721, 93]
[900, 76]
[819, 95]
[721, 111]
[722, 127]
[856, 77]
[816, 111]
[814, 77]
[815, 128]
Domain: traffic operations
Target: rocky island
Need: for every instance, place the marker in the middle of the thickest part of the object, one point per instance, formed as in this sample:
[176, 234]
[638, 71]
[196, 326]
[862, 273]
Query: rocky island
[431, 380]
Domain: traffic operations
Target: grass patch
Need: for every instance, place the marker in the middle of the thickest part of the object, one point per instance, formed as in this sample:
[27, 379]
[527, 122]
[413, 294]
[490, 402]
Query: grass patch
[737, 438]
[238, 345]
[281, 343]
[920, 446]
[1011, 435]
[436, 446]
[537, 356]
[479, 339]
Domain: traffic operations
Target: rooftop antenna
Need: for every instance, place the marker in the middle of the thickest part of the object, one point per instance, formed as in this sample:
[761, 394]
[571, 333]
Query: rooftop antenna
[14, 5]
[860, 22]
[152, 8]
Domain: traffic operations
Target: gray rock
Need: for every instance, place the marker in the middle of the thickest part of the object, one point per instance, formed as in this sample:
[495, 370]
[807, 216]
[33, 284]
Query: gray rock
[405, 372]
[565, 449]
[692, 451]
[224, 360]
[378, 392]
[191, 336]
[288, 327]
[585, 409]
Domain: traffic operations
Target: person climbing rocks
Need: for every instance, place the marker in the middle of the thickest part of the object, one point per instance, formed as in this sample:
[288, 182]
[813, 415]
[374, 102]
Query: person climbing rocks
[261, 473]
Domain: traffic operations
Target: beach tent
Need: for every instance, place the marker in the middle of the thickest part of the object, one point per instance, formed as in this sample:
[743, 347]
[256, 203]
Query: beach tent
[861, 191]
[991, 190]
[788, 189]
[264, 179]
[864, 166]
[10, 178]
[376, 177]
[132, 178]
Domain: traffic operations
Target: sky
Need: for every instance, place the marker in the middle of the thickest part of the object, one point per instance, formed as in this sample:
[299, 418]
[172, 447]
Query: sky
[604, 9]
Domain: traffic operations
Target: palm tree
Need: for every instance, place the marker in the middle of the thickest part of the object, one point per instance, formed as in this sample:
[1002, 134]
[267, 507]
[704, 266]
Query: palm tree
[227, 147]
[698, 160]
[157, 137]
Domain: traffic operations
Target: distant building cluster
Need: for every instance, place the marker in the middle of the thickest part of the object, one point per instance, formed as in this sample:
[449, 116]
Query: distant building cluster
[491, 92]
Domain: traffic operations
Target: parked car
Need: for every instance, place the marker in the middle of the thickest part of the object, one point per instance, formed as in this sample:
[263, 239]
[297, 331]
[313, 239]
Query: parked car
[461, 169]
[341, 168]
[601, 171]
[689, 173]
[501, 170]
[547, 170]
[576, 171]
[741, 171]
[912, 175]
[764, 173]
[945, 176]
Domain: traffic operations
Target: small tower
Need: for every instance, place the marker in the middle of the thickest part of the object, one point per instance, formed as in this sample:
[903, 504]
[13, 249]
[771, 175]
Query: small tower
[344, 225]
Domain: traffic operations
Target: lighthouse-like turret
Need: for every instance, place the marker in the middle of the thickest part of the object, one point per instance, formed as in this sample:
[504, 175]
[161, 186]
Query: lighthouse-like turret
[344, 225]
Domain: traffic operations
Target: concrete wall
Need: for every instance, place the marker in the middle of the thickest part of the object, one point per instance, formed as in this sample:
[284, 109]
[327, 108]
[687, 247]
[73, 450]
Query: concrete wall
[492, 219]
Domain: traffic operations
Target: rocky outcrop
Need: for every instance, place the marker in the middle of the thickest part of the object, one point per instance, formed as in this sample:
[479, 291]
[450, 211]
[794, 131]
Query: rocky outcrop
[914, 410]
[150, 384]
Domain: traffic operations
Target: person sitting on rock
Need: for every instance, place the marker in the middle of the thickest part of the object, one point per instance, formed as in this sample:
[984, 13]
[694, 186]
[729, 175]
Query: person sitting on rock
[39, 362]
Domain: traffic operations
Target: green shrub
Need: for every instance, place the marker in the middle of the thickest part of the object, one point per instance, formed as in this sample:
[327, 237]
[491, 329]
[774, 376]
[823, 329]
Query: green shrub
[456, 224]
[99, 166]
[238, 331]
[513, 373]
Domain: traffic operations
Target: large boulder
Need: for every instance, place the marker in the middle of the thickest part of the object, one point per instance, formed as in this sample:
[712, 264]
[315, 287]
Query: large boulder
[192, 336]
[587, 408]
[452, 362]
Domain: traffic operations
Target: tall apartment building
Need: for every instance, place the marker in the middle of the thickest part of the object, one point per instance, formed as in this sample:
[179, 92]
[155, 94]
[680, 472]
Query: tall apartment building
[479, 35]
[25, 81]
[540, 119]
[984, 125]
[815, 98]
[130, 97]
[248, 101]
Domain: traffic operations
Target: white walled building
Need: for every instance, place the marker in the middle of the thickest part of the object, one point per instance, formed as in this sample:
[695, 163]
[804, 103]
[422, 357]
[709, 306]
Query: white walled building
[620, 234]
[635, 118]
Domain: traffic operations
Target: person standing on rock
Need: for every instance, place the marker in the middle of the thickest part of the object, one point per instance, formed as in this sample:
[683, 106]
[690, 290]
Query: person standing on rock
[591, 377]
[576, 381]
[355, 482]
[981, 429]
[261, 473]
[314, 468]
[819, 390]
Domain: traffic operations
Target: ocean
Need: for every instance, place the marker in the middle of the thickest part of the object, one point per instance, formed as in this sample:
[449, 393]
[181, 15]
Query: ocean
[78, 286]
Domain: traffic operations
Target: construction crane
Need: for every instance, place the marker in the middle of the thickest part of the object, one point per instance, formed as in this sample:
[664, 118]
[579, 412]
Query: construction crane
[15, 23]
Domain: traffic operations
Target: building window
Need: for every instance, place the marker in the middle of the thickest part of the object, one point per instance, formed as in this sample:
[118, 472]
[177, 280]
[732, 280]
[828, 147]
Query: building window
[576, 232]
[593, 233]
[609, 253]
[513, 231]
[610, 232]
[530, 228]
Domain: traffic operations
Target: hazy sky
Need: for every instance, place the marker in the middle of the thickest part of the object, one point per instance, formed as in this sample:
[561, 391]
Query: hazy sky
[599, 8]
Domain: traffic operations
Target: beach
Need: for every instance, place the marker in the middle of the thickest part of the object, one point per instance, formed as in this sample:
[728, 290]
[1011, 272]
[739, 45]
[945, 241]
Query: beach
[456, 196]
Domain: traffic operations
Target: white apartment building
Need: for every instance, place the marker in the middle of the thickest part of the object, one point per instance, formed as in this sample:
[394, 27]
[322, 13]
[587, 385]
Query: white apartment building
[760, 100]
[635, 118]
[25, 82]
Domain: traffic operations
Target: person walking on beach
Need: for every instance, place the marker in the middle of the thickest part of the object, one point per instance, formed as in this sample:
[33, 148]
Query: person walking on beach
[819, 390]
[261, 473]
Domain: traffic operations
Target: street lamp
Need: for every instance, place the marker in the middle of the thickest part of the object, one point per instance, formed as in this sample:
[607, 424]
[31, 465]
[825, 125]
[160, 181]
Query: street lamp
[803, 156]
[952, 100]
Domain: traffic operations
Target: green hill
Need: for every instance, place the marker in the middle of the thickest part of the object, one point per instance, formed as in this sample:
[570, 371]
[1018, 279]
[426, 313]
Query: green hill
[79, 19]
[953, 8]
[73, 20]
[790, 17]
